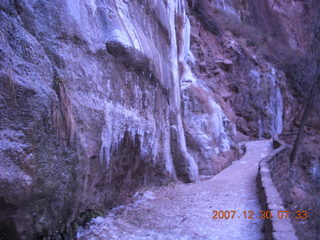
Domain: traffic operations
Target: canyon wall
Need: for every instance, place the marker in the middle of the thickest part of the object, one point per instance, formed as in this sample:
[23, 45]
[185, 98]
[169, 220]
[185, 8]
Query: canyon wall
[99, 98]
[92, 108]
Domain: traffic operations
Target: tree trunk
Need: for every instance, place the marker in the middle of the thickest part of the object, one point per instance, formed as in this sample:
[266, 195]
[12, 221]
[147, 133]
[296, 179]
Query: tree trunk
[307, 109]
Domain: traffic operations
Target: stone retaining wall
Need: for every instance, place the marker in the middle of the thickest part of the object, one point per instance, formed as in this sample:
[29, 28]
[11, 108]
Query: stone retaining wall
[275, 228]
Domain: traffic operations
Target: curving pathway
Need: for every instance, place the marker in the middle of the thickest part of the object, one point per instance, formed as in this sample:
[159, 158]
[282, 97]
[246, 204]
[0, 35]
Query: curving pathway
[184, 211]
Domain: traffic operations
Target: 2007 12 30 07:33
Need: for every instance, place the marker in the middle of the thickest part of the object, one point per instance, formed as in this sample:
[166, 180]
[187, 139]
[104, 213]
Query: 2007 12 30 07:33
[232, 214]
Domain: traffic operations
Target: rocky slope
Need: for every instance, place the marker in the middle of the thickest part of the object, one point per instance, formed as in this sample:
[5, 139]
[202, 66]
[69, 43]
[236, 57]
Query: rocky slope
[99, 98]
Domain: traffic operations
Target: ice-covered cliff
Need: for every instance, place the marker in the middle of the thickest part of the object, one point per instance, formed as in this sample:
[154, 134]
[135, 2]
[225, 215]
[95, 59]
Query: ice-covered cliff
[99, 98]
[94, 104]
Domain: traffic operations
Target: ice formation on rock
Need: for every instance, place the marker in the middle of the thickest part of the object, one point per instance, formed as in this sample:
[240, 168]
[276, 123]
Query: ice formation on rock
[206, 128]
[275, 106]
[120, 120]
[267, 84]
[178, 8]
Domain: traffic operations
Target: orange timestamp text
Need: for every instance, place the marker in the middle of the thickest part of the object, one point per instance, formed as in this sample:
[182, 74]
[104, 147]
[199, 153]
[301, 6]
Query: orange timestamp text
[233, 214]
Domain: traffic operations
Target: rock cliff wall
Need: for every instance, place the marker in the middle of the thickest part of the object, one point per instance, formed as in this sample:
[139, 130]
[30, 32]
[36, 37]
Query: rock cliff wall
[99, 98]
[92, 108]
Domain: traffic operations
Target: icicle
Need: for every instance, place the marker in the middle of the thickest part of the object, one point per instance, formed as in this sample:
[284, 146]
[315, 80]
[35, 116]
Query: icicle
[118, 121]
[177, 7]
[279, 112]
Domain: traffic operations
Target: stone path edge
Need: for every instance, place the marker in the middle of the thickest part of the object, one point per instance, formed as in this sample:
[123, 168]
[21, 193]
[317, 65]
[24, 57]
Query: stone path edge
[270, 200]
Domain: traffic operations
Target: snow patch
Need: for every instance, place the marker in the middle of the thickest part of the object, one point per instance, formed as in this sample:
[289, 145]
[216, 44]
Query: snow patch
[260, 128]
[255, 75]
[74, 7]
[188, 79]
[144, 196]
[100, 224]
[119, 36]
[93, 5]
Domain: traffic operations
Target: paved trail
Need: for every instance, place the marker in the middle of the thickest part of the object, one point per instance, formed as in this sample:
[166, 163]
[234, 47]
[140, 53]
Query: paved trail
[184, 211]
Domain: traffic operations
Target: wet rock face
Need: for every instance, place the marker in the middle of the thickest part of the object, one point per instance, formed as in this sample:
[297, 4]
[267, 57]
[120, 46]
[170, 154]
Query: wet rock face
[91, 109]
[240, 49]
[99, 98]
[260, 65]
